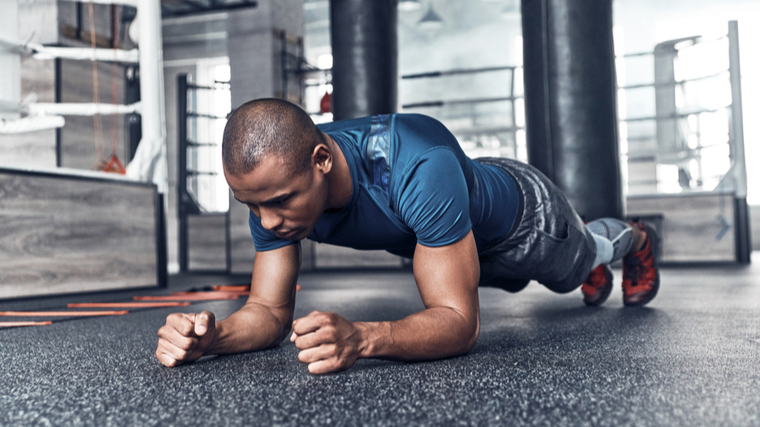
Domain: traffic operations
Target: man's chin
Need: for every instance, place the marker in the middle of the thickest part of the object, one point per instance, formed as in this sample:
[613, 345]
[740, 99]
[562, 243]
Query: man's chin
[301, 235]
[296, 235]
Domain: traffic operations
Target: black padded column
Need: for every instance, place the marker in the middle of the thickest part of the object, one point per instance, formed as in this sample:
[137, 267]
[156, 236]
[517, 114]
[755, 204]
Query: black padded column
[570, 101]
[365, 63]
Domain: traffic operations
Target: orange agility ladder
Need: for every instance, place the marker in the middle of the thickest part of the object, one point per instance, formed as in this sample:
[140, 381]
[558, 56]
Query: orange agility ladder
[127, 304]
[16, 324]
[61, 313]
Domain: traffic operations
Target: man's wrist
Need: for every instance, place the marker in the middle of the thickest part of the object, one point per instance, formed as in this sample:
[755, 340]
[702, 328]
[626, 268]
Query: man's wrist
[373, 335]
[213, 348]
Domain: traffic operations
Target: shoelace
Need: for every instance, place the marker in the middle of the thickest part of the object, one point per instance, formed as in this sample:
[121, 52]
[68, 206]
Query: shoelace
[634, 269]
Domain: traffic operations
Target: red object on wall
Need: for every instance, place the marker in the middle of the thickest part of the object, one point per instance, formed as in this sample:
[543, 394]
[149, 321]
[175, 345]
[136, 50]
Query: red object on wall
[325, 105]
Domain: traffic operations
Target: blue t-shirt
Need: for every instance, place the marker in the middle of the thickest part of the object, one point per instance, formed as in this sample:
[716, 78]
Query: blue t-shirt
[411, 183]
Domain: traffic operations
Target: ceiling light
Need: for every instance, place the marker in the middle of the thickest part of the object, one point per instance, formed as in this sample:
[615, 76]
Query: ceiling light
[431, 20]
[409, 5]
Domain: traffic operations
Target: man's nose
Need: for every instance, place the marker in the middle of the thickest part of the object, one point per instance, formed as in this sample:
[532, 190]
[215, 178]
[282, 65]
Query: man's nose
[270, 220]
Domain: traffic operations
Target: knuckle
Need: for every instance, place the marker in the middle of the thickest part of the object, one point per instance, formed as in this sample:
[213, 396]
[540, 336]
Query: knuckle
[327, 351]
[343, 363]
[166, 360]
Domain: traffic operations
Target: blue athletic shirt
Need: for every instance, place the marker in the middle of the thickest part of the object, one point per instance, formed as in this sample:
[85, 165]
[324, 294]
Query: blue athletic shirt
[411, 183]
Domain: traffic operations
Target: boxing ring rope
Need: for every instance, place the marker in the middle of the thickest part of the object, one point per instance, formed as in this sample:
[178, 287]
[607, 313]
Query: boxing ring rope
[735, 178]
[133, 3]
[31, 124]
[41, 52]
[149, 162]
[80, 108]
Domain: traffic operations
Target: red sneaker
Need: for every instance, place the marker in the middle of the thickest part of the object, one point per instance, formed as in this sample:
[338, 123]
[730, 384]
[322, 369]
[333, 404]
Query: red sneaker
[641, 277]
[597, 288]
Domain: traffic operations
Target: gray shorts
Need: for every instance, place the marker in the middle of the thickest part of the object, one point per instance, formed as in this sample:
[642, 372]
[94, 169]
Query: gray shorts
[549, 242]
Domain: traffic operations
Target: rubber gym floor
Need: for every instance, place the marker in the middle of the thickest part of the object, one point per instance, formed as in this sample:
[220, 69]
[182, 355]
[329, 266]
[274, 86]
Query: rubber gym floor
[692, 357]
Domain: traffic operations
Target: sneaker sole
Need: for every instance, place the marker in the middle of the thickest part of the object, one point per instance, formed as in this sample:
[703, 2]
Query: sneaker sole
[654, 239]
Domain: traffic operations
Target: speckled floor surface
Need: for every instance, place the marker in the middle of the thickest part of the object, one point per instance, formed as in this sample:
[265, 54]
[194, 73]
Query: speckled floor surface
[691, 358]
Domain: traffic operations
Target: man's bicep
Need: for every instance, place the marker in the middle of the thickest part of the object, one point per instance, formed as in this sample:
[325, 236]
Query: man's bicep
[274, 279]
[447, 276]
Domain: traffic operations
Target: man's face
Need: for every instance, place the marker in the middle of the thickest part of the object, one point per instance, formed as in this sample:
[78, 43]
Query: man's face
[289, 204]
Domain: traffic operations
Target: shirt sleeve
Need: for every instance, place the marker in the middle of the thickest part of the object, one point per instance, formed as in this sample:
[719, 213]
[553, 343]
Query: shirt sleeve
[263, 239]
[434, 201]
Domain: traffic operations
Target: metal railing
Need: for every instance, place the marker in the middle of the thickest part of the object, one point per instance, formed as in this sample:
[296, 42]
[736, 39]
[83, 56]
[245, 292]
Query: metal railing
[188, 201]
[679, 136]
[691, 131]
[465, 116]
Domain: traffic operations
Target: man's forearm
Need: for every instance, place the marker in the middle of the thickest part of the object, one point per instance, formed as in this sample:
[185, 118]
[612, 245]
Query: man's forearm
[253, 327]
[430, 334]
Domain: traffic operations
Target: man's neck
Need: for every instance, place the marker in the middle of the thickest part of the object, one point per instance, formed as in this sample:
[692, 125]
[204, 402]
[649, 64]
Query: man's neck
[340, 184]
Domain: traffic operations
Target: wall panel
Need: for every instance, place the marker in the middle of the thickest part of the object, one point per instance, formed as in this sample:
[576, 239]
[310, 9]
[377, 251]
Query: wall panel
[64, 233]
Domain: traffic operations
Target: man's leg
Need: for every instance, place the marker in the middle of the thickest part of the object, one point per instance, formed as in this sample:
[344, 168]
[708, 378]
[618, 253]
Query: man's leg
[550, 243]
[613, 239]
[636, 245]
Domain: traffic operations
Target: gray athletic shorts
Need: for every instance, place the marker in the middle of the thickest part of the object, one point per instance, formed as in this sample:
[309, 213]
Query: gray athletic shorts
[548, 243]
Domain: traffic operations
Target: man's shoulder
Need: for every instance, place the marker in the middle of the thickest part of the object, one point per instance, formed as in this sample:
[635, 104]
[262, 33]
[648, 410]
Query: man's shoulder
[405, 119]
[343, 125]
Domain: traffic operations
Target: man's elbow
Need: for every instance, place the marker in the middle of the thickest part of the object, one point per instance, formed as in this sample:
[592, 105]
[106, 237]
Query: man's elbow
[283, 326]
[469, 337]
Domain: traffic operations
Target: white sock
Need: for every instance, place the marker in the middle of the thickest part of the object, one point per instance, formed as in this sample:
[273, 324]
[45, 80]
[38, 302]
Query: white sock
[604, 250]
[615, 231]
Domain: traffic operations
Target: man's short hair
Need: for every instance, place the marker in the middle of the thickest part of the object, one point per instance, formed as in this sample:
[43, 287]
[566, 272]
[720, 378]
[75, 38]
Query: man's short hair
[267, 126]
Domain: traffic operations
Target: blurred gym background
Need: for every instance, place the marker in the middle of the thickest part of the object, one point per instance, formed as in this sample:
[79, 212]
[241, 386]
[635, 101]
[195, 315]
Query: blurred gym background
[686, 73]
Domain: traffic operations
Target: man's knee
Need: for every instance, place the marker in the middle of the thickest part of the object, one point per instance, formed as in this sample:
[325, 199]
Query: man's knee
[564, 287]
[509, 285]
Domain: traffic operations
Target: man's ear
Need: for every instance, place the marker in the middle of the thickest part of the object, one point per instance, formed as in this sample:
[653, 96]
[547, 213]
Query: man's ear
[322, 158]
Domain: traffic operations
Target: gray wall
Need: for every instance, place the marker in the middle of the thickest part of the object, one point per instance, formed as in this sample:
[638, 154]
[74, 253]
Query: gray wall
[186, 41]
[248, 38]
[254, 53]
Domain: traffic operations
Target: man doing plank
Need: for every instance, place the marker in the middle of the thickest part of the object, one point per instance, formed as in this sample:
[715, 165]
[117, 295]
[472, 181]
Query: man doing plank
[399, 183]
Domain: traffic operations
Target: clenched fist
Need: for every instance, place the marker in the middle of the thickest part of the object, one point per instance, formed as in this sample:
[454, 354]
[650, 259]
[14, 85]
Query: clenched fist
[328, 342]
[185, 337]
